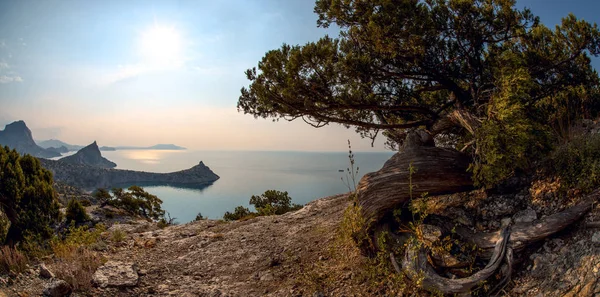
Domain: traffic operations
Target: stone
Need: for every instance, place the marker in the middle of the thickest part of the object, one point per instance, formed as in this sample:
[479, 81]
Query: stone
[430, 233]
[525, 216]
[596, 237]
[57, 288]
[116, 274]
[45, 272]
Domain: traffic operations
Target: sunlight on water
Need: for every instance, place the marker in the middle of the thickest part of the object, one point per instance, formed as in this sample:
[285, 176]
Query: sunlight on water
[305, 175]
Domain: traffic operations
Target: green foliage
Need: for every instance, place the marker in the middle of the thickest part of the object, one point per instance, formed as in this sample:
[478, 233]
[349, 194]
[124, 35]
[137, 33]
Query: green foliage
[273, 202]
[135, 201]
[27, 197]
[76, 212]
[240, 212]
[577, 163]
[509, 140]
[484, 71]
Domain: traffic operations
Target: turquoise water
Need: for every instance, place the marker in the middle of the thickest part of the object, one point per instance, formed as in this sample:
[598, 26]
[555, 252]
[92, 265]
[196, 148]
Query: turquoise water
[305, 175]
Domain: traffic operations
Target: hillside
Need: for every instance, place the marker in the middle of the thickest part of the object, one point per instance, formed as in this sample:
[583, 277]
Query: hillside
[89, 155]
[293, 255]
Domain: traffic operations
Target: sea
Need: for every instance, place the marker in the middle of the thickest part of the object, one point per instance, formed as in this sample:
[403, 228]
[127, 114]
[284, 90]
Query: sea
[306, 176]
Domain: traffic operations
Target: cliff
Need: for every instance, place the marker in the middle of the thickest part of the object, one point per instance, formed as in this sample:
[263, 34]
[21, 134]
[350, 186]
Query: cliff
[17, 136]
[90, 178]
[89, 155]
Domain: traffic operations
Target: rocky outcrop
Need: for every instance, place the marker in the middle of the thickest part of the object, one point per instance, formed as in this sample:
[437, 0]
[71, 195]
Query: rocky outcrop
[58, 288]
[90, 177]
[116, 274]
[89, 155]
[17, 136]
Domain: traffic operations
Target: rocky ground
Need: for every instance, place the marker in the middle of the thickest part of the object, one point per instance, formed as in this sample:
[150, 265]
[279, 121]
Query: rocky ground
[291, 255]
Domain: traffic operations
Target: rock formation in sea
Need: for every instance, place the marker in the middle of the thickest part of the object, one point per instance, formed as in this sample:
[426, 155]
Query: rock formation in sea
[17, 136]
[89, 155]
[90, 177]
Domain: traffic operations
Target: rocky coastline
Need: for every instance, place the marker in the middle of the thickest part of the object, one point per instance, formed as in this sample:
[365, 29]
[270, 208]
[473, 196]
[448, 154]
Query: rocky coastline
[90, 178]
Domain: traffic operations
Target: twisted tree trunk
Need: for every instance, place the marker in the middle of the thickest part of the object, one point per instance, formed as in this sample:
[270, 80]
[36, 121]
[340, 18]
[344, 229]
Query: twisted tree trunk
[438, 171]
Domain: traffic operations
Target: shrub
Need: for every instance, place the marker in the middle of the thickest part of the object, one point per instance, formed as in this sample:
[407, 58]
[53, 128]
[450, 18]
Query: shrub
[76, 212]
[199, 217]
[273, 202]
[134, 200]
[118, 236]
[239, 213]
[577, 163]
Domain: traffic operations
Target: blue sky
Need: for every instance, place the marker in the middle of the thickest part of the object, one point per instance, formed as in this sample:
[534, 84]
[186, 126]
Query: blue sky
[82, 71]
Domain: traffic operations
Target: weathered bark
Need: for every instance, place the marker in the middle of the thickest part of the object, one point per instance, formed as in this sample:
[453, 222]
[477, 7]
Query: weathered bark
[524, 234]
[417, 268]
[497, 246]
[438, 171]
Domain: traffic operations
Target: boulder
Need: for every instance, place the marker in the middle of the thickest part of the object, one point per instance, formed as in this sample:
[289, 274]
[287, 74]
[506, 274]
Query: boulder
[116, 274]
[45, 272]
[58, 288]
[525, 216]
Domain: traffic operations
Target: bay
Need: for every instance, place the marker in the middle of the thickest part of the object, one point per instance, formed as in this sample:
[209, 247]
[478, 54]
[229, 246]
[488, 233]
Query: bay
[306, 176]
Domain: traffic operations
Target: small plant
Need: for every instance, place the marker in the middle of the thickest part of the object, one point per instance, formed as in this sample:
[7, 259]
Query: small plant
[199, 217]
[351, 173]
[76, 212]
[75, 261]
[12, 260]
[577, 163]
[166, 221]
[273, 202]
[118, 236]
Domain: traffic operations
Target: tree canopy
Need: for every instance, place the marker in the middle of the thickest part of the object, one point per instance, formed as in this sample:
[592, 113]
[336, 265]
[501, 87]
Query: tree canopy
[449, 66]
[26, 196]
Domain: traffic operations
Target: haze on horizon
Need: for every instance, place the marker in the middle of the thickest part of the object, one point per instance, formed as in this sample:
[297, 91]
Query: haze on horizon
[147, 72]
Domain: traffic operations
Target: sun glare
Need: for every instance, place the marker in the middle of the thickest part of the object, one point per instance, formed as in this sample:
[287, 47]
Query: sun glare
[161, 44]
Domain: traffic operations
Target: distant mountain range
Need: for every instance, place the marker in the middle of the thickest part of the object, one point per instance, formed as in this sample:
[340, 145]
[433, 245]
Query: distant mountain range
[55, 143]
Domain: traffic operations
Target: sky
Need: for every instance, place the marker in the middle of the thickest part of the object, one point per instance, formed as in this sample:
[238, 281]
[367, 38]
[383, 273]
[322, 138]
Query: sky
[147, 72]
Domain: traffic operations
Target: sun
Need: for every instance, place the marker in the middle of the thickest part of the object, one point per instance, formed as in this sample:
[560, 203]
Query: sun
[160, 44]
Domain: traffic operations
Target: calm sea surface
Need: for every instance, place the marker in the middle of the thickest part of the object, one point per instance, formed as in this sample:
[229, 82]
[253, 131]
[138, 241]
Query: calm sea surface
[305, 175]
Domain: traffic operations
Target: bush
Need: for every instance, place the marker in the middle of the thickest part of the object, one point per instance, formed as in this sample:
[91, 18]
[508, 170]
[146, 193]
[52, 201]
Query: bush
[577, 163]
[135, 201]
[240, 212]
[273, 202]
[199, 217]
[76, 212]
[27, 197]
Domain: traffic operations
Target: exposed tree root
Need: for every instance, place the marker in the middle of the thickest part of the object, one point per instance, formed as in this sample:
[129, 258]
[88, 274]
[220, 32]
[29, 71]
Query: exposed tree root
[496, 246]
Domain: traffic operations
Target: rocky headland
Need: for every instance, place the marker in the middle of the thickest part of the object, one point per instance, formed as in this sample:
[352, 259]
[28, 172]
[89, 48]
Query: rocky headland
[89, 155]
[18, 136]
[90, 177]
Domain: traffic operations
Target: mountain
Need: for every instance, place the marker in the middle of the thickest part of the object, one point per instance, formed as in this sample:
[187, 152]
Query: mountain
[17, 136]
[57, 143]
[89, 155]
[154, 147]
[61, 150]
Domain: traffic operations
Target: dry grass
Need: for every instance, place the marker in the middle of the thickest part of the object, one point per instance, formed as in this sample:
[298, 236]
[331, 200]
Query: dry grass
[117, 236]
[74, 260]
[12, 260]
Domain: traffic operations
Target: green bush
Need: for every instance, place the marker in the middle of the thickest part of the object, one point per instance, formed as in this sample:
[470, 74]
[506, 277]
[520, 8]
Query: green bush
[76, 212]
[199, 217]
[27, 197]
[577, 163]
[239, 213]
[271, 202]
[134, 200]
